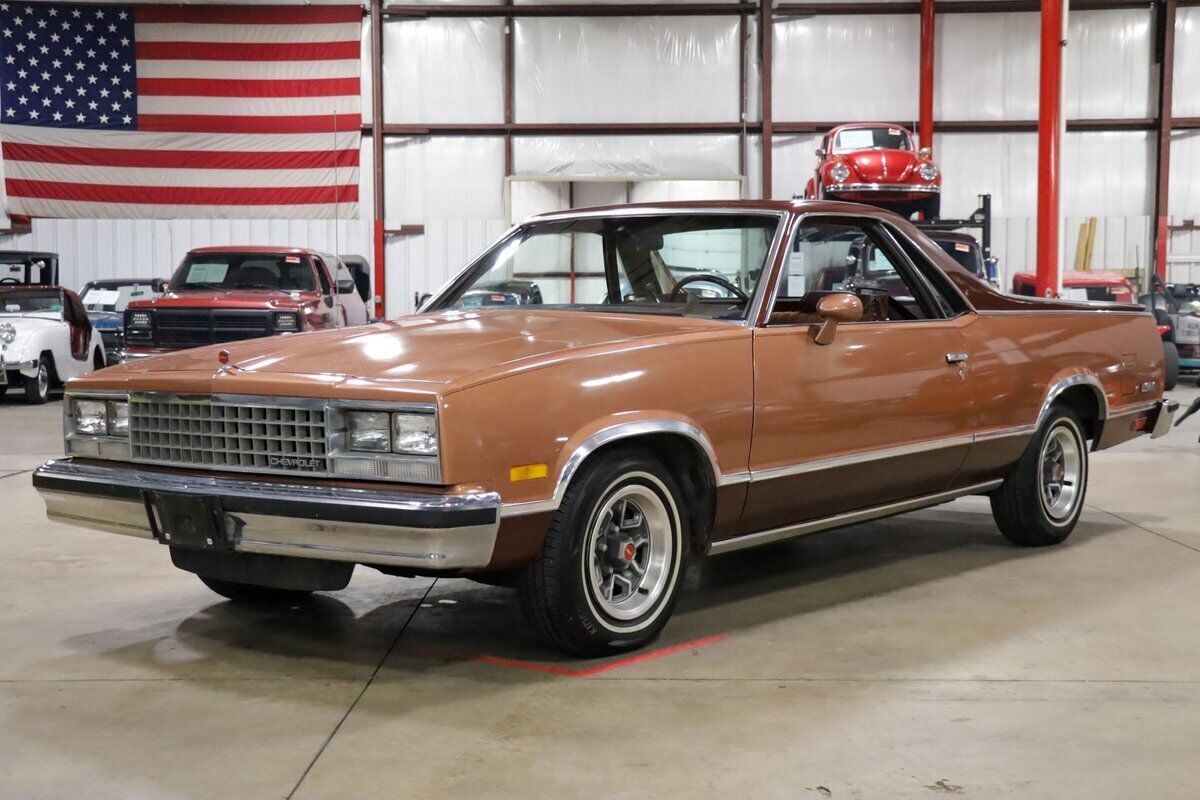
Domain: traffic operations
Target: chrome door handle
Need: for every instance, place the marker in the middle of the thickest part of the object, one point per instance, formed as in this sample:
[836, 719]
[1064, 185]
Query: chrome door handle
[956, 358]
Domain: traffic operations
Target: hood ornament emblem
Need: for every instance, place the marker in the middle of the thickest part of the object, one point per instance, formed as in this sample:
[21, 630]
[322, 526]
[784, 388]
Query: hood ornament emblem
[223, 359]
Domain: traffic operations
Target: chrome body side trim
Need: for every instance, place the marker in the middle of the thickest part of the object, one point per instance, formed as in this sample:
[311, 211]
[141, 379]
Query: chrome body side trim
[848, 518]
[409, 529]
[757, 476]
[1005, 433]
[1085, 307]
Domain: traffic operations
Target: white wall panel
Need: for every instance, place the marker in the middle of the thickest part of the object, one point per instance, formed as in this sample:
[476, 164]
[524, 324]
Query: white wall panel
[1187, 62]
[1184, 200]
[1108, 174]
[443, 70]
[851, 67]
[682, 155]
[627, 69]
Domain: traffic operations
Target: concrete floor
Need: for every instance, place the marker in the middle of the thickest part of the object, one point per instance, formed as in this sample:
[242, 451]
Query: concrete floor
[913, 657]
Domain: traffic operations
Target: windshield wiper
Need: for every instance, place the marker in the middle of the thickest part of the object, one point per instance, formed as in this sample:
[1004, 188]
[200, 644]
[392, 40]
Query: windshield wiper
[263, 286]
[216, 286]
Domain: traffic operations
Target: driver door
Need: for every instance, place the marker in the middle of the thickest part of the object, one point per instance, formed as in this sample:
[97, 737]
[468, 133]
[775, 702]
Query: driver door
[881, 414]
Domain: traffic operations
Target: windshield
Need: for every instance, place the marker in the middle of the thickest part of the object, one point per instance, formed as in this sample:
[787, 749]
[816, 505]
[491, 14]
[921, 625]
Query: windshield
[964, 253]
[881, 138]
[265, 271]
[30, 301]
[110, 296]
[696, 264]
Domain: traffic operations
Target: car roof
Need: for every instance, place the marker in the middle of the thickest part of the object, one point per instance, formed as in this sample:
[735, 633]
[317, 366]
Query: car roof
[721, 206]
[122, 281]
[16, 287]
[24, 254]
[852, 125]
[255, 248]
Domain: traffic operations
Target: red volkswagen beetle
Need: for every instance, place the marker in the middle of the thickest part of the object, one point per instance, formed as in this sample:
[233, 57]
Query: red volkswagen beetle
[879, 164]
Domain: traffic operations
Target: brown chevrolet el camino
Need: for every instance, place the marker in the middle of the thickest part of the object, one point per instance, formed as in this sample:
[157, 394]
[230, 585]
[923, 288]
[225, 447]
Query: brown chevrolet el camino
[605, 393]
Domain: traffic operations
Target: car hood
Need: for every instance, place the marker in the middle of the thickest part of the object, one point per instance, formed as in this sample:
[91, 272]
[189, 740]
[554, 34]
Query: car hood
[443, 348]
[878, 166]
[235, 299]
[107, 320]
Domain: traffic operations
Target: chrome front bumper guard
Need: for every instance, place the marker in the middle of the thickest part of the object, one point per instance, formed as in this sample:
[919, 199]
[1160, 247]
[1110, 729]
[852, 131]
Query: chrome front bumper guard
[364, 526]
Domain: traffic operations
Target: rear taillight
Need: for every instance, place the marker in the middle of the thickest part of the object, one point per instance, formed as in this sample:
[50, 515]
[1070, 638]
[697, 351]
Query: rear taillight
[1163, 330]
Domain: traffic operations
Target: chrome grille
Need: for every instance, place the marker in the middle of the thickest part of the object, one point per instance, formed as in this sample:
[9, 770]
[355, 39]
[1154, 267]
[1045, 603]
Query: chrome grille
[216, 435]
[193, 328]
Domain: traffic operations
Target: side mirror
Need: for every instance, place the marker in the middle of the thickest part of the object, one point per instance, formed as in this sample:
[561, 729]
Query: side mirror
[925, 152]
[835, 308]
[423, 299]
[821, 152]
[346, 286]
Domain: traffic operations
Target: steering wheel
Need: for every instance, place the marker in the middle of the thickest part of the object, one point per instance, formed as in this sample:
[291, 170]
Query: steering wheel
[865, 288]
[10, 279]
[724, 283]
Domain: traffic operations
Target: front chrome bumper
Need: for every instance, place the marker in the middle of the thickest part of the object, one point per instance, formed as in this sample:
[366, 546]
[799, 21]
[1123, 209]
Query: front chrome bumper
[364, 526]
[908, 188]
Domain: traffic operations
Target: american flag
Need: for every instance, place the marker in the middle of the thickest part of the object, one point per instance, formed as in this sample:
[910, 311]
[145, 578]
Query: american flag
[157, 111]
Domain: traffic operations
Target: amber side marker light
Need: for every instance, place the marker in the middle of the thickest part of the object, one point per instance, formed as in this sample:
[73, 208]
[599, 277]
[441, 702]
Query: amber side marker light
[528, 472]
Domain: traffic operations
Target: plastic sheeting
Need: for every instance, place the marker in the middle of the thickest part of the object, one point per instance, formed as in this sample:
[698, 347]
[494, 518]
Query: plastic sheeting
[852, 67]
[443, 177]
[627, 69]
[987, 65]
[443, 70]
[682, 155]
[1187, 63]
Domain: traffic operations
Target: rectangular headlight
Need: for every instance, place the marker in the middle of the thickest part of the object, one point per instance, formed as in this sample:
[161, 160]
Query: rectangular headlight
[368, 431]
[415, 434]
[118, 418]
[287, 321]
[89, 417]
[139, 319]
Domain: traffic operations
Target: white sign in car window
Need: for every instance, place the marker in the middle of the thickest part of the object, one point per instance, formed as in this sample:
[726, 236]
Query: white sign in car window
[101, 297]
[207, 273]
[1075, 293]
[856, 140]
[796, 277]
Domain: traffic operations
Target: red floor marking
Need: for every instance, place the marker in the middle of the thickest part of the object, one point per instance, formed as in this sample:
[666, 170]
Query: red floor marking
[574, 673]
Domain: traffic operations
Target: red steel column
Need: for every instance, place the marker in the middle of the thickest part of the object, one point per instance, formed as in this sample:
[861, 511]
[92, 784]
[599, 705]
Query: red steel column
[925, 104]
[377, 150]
[1049, 146]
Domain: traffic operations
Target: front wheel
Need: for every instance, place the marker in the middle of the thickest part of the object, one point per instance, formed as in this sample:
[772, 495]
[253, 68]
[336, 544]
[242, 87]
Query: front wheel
[1041, 499]
[37, 388]
[608, 575]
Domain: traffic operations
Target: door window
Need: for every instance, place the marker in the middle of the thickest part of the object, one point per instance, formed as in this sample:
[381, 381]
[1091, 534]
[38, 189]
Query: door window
[856, 257]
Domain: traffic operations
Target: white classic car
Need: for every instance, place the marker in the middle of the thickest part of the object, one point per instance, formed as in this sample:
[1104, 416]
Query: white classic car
[46, 339]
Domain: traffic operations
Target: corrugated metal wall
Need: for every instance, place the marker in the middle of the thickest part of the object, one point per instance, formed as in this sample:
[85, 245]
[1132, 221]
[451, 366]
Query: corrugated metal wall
[685, 69]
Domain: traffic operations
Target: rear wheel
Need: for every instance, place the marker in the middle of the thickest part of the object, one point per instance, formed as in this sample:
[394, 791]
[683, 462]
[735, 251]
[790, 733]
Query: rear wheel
[1041, 500]
[37, 388]
[251, 594]
[1170, 366]
[608, 575]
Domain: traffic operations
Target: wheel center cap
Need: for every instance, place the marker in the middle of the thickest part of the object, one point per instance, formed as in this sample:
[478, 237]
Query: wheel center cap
[628, 552]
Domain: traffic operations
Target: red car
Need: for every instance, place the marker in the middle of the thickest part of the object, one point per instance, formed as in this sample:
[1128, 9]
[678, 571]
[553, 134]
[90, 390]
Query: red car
[1111, 287]
[878, 164]
[227, 294]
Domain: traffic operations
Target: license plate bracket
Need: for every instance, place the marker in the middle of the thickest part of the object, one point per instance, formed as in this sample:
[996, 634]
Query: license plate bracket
[187, 520]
